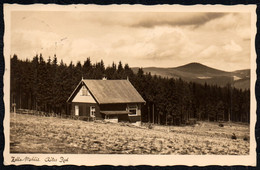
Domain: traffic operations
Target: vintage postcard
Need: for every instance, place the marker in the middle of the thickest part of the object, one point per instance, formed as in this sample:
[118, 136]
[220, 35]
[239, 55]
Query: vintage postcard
[129, 85]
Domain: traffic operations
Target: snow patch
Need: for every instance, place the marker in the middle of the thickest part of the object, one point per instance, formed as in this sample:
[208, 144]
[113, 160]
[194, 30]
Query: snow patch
[204, 77]
[236, 78]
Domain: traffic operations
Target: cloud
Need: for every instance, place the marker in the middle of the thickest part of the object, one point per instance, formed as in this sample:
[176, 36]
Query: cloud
[210, 51]
[232, 46]
[176, 19]
[146, 19]
[231, 21]
[227, 57]
[143, 39]
[160, 43]
[27, 42]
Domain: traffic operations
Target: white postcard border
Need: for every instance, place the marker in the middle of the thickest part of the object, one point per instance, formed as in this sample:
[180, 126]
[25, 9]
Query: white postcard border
[123, 159]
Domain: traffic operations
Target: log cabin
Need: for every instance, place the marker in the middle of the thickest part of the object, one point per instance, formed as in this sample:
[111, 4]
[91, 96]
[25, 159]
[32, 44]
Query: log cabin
[109, 100]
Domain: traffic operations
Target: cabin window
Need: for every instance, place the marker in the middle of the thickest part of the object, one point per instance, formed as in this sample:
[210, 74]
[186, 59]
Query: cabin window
[132, 109]
[92, 111]
[84, 91]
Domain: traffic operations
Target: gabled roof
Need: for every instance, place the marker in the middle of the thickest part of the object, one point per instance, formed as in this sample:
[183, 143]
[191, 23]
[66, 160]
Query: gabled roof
[112, 91]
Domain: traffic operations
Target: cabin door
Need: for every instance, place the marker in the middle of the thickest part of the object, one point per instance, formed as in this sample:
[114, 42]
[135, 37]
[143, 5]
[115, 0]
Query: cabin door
[76, 110]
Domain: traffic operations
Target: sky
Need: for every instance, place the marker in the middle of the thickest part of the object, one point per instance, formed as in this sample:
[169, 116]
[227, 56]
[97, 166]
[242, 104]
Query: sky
[141, 39]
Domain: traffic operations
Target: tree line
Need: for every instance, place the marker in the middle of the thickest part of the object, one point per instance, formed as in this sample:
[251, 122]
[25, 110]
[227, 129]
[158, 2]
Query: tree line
[46, 85]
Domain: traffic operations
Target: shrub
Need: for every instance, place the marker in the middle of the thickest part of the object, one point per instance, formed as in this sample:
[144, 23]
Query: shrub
[150, 126]
[234, 136]
[246, 138]
[220, 125]
[85, 118]
[192, 121]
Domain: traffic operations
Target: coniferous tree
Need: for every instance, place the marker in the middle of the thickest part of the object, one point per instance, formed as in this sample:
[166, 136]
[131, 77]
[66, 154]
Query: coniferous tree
[46, 86]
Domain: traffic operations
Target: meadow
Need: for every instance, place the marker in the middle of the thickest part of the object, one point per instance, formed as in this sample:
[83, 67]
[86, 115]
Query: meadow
[38, 134]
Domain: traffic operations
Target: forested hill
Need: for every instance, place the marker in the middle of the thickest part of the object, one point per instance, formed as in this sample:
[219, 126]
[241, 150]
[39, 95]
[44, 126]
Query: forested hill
[200, 73]
[46, 85]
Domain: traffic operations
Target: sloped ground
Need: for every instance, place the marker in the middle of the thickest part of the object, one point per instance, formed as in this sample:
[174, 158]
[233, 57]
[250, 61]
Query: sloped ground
[35, 134]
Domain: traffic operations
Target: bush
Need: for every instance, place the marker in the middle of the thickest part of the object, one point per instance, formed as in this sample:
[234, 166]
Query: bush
[234, 136]
[246, 138]
[220, 125]
[84, 118]
[192, 121]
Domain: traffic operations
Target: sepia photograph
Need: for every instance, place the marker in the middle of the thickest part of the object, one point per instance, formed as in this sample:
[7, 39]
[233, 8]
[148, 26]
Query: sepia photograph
[117, 81]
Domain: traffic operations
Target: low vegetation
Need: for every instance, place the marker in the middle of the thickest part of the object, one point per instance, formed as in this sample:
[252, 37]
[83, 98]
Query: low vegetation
[37, 134]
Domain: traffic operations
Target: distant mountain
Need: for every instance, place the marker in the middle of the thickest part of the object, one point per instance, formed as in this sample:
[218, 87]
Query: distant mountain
[200, 73]
[199, 69]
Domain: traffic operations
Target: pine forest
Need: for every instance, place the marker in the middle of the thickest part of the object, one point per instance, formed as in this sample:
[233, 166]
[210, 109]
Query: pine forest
[46, 85]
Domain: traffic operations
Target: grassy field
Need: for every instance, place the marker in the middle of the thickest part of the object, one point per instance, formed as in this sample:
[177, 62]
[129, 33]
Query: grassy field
[35, 134]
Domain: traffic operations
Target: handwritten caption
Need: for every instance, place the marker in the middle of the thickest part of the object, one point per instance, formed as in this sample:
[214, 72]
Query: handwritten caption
[37, 159]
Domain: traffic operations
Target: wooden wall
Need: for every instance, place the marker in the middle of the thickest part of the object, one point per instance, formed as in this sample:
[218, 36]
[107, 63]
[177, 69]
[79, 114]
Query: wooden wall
[112, 107]
[84, 109]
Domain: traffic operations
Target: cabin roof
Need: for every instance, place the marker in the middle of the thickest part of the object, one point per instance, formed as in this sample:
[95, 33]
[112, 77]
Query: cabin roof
[112, 91]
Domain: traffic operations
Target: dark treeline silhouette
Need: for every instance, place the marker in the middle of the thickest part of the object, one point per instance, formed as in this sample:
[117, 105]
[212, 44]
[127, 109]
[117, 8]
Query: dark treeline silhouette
[46, 85]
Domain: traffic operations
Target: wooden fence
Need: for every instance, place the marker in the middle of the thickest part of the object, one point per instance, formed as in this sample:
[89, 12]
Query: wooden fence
[45, 114]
